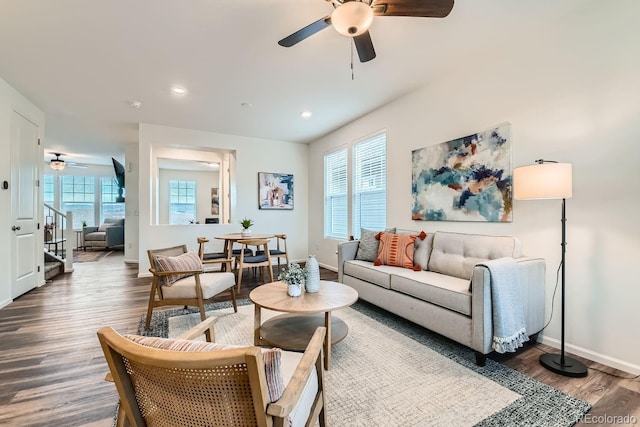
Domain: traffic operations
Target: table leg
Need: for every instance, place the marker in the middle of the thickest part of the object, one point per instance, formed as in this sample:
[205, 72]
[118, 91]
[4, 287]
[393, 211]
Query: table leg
[327, 340]
[256, 324]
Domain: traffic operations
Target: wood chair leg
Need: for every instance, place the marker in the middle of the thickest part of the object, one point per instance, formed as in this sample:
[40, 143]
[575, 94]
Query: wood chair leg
[233, 298]
[147, 323]
[240, 278]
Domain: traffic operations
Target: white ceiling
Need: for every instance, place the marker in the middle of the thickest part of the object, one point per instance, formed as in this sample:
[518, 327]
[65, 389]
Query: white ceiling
[83, 61]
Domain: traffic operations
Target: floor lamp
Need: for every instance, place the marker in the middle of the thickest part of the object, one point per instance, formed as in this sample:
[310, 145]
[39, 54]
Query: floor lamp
[551, 180]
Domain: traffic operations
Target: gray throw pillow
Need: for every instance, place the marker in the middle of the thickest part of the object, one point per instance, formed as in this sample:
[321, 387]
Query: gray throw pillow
[368, 245]
[422, 250]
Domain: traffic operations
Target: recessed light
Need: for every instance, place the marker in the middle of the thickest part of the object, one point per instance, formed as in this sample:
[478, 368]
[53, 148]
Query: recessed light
[246, 105]
[179, 90]
[135, 104]
[305, 114]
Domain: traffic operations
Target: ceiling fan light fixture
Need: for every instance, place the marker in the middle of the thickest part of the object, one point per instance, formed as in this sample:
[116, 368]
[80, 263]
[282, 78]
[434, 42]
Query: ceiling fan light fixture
[57, 164]
[352, 18]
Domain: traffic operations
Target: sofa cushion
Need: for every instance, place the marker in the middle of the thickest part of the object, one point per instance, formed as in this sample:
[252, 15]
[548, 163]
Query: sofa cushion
[366, 271]
[395, 249]
[211, 284]
[103, 227]
[455, 254]
[95, 236]
[368, 244]
[445, 291]
[189, 261]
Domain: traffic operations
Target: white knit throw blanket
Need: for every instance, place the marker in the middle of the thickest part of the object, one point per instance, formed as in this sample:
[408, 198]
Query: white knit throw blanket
[509, 329]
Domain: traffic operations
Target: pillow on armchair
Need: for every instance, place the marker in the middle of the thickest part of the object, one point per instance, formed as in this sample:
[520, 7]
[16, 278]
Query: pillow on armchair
[188, 261]
[103, 227]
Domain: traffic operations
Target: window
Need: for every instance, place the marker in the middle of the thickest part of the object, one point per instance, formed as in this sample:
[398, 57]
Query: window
[78, 196]
[336, 213]
[49, 189]
[109, 207]
[182, 202]
[369, 191]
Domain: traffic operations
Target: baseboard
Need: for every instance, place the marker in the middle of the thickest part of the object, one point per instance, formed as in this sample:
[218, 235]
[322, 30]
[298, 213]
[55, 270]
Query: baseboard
[594, 356]
[131, 261]
[5, 302]
[144, 274]
[328, 267]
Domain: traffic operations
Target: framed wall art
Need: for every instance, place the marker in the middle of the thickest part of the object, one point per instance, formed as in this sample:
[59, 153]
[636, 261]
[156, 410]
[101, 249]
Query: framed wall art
[275, 191]
[466, 179]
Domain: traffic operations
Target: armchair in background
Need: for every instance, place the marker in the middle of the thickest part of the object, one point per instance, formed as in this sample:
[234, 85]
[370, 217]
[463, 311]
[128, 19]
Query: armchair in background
[108, 235]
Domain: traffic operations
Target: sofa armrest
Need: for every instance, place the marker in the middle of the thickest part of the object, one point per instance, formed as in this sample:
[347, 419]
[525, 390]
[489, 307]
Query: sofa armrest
[531, 275]
[346, 252]
[114, 236]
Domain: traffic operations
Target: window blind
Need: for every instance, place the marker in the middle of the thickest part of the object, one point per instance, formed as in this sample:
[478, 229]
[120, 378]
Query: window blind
[369, 198]
[336, 213]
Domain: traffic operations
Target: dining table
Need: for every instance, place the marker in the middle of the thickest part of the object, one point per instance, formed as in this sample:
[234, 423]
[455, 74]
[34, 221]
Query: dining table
[231, 238]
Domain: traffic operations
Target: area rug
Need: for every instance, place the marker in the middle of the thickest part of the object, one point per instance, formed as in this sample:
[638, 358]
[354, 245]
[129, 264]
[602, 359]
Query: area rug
[390, 372]
[89, 256]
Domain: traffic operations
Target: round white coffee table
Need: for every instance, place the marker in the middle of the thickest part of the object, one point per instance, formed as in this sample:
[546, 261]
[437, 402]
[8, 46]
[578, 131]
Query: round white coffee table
[293, 331]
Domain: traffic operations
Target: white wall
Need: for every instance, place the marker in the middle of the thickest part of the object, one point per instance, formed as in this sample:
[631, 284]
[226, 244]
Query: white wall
[132, 212]
[572, 95]
[12, 100]
[253, 155]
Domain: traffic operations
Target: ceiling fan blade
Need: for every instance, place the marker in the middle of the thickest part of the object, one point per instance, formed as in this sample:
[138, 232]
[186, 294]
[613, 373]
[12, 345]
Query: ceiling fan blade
[364, 46]
[306, 32]
[421, 8]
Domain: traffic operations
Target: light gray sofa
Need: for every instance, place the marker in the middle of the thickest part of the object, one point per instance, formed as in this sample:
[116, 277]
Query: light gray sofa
[442, 298]
[107, 235]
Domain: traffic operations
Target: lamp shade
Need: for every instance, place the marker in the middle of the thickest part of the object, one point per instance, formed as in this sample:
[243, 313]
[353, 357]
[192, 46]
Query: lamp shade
[57, 164]
[543, 181]
[352, 18]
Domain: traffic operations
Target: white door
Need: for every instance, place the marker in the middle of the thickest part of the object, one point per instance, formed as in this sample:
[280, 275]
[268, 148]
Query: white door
[25, 158]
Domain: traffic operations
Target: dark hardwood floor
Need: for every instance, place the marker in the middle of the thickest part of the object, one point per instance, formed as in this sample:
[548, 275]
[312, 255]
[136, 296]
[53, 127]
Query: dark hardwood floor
[52, 367]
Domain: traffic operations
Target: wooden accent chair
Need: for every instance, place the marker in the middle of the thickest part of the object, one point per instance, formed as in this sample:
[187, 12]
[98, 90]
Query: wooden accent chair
[249, 261]
[201, 387]
[280, 251]
[188, 287]
[210, 258]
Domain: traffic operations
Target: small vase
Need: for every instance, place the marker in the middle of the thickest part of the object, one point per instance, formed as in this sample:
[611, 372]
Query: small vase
[294, 290]
[313, 275]
[246, 232]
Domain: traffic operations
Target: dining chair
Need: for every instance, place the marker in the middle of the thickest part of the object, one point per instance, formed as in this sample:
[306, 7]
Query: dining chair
[178, 279]
[171, 382]
[280, 251]
[250, 261]
[213, 258]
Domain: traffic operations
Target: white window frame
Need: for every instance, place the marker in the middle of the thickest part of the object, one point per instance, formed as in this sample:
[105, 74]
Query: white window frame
[186, 195]
[358, 163]
[336, 194]
[369, 184]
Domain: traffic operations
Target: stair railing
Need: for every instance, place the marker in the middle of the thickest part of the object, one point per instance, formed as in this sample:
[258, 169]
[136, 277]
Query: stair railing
[57, 225]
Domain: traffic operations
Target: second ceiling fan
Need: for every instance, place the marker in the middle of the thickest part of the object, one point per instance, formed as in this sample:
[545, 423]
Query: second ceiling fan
[352, 18]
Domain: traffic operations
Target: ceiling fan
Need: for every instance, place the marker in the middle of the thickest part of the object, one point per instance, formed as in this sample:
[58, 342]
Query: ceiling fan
[352, 18]
[58, 164]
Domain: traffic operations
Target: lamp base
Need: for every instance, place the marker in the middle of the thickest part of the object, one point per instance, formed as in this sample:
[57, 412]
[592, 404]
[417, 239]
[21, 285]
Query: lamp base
[570, 368]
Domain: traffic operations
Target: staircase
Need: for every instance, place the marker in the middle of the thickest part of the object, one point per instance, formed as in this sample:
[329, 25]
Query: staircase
[52, 266]
[57, 259]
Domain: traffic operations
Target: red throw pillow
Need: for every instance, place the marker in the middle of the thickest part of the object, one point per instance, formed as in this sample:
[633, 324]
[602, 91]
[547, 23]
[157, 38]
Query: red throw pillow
[396, 250]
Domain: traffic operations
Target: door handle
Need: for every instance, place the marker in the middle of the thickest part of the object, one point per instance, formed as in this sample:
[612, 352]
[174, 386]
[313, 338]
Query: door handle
[14, 228]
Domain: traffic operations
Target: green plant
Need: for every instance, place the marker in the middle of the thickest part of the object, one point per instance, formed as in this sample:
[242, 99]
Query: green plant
[246, 223]
[84, 223]
[294, 274]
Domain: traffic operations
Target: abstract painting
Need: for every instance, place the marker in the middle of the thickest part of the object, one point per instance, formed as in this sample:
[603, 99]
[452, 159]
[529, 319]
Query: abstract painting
[466, 179]
[275, 190]
[215, 202]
